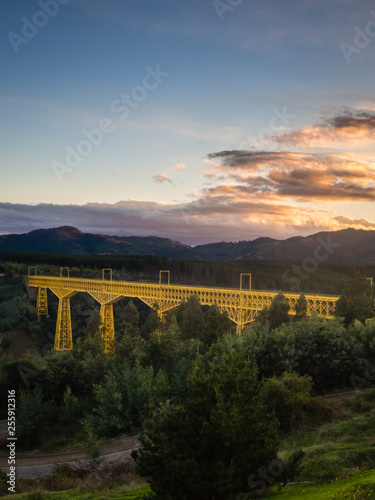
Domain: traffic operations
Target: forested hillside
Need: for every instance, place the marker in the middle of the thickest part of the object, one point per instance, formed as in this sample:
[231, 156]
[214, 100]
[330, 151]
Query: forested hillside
[266, 275]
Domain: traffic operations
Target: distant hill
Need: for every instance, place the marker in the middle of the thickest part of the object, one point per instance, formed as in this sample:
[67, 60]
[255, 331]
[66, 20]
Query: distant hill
[69, 240]
[348, 246]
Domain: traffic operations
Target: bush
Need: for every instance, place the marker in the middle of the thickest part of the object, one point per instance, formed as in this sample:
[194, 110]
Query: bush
[290, 398]
[322, 467]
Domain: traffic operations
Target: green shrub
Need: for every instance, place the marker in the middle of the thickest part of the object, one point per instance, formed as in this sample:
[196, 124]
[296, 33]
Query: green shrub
[358, 459]
[289, 396]
[321, 467]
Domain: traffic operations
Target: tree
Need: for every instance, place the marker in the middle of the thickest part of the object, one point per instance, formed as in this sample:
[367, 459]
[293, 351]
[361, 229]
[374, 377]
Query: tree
[151, 324]
[129, 349]
[216, 325]
[109, 416]
[69, 407]
[289, 396]
[190, 318]
[92, 445]
[164, 348]
[325, 350]
[13, 270]
[278, 312]
[16, 312]
[91, 340]
[206, 446]
[127, 321]
[301, 307]
[57, 374]
[33, 414]
[356, 301]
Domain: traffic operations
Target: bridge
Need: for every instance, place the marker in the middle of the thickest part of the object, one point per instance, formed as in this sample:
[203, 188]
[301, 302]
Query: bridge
[242, 305]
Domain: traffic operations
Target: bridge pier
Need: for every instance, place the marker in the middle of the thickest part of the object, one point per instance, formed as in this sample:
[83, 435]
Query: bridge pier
[106, 315]
[106, 301]
[63, 335]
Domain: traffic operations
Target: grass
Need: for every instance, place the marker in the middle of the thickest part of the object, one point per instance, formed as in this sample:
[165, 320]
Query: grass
[53, 441]
[139, 493]
[112, 480]
[360, 485]
[340, 448]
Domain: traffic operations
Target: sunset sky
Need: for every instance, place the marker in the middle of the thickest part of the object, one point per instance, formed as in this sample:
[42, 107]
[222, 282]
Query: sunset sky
[197, 120]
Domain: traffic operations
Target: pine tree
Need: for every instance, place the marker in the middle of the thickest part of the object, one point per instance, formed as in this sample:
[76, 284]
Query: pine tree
[190, 318]
[30, 419]
[278, 312]
[301, 307]
[207, 446]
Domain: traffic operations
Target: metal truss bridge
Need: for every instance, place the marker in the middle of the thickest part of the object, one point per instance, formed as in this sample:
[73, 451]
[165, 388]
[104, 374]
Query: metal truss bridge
[241, 305]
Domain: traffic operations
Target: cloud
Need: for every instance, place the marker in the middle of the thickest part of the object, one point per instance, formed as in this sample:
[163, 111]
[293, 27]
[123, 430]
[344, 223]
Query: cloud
[350, 126]
[298, 176]
[248, 194]
[242, 159]
[177, 166]
[356, 223]
[162, 178]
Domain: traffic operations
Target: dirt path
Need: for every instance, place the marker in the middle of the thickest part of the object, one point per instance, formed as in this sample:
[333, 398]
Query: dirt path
[72, 455]
[34, 471]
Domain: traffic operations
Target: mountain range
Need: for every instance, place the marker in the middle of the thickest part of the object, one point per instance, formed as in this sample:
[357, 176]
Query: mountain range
[347, 246]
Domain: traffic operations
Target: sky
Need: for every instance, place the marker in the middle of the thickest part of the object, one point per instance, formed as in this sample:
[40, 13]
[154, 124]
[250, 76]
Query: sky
[200, 121]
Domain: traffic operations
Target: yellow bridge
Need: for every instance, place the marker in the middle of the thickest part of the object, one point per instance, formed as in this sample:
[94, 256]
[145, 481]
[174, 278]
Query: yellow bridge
[241, 305]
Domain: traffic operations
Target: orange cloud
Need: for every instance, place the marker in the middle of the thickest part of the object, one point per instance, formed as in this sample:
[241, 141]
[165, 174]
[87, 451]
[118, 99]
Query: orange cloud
[298, 176]
[351, 127]
[344, 222]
